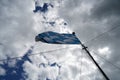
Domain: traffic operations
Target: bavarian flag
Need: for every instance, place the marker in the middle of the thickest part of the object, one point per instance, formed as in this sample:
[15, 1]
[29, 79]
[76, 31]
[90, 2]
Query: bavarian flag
[57, 38]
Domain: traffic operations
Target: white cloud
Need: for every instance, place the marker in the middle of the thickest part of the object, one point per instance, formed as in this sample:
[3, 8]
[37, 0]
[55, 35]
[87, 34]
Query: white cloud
[2, 71]
[105, 51]
[16, 30]
[19, 26]
[31, 70]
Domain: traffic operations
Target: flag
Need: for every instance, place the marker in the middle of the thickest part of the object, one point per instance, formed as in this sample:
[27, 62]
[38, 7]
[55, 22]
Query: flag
[57, 38]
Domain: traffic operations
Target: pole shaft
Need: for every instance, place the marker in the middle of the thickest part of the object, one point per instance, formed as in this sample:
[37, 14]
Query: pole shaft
[85, 48]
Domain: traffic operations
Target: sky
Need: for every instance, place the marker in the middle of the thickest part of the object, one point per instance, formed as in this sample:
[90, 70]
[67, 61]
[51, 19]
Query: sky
[20, 23]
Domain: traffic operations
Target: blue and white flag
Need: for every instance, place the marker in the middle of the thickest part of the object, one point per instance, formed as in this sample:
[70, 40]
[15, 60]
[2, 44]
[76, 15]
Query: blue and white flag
[57, 38]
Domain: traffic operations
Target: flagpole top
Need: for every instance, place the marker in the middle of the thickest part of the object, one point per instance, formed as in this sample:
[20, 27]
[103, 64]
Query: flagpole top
[73, 33]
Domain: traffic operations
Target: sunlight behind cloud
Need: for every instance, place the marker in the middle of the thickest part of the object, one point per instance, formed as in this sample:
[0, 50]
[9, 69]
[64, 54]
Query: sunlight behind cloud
[104, 51]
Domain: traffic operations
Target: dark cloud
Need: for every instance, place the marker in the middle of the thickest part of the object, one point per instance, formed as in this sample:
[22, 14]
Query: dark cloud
[104, 15]
[16, 27]
[106, 8]
[109, 10]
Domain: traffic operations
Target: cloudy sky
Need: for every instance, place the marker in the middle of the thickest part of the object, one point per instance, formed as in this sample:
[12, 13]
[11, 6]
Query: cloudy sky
[88, 18]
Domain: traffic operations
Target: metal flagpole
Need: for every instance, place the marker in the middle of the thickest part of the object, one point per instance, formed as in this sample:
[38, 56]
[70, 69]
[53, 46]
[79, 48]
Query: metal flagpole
[103, 73]
[65, 39]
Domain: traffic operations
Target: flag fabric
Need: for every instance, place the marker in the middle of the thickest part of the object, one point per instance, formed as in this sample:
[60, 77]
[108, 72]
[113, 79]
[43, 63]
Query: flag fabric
[57, 38]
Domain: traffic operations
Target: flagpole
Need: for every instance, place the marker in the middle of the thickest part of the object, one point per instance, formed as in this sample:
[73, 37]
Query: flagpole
[103, 73]
[65, 39]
